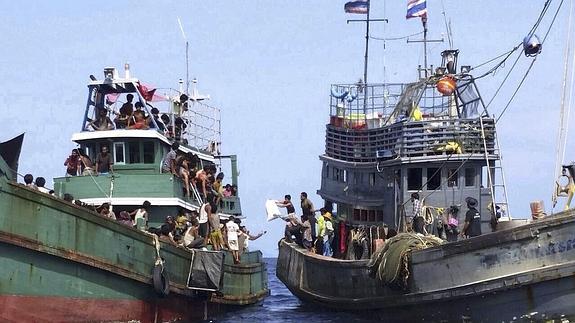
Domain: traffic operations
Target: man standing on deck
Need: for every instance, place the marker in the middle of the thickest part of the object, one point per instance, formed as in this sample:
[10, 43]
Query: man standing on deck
[472, 226]
[308, 214]
[169, 164]
[214, 223]
[104, 161]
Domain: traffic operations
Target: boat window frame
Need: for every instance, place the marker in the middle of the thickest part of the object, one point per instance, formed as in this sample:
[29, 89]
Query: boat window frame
[432, 185]
[115, 145]
[372, 179]
[138, 152]
[454, 181]
[153, 152]
[411, 186]
[473, 179]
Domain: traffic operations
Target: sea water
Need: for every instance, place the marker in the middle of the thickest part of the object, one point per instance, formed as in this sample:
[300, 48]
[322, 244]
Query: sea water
[282, 306]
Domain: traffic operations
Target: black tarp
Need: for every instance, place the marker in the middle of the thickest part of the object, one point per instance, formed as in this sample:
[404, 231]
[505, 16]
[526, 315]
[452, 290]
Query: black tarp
[206, 270]
[10, 152]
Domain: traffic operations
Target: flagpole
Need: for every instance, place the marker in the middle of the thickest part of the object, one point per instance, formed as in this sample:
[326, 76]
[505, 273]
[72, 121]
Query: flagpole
[365, 58]
[424, 22]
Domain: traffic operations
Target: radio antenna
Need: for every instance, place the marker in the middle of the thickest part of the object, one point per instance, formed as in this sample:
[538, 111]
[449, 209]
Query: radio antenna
[187, 57]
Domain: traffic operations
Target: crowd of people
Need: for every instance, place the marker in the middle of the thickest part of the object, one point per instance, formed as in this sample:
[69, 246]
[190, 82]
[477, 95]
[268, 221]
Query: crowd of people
[315, 233]
[320, 234]
[38, 184]
[78, 163]
[134, 116]
[203, 180]
[193, 230]
[446, 225]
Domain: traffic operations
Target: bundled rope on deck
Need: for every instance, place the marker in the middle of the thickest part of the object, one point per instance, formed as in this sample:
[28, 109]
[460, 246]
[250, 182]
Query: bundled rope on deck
[391, 263]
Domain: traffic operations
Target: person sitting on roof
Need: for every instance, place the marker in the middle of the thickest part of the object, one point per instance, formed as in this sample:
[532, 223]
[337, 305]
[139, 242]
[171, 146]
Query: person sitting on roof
[155, 114]
[102, 121]
[138, 121]
[169, 132]
[126, 112]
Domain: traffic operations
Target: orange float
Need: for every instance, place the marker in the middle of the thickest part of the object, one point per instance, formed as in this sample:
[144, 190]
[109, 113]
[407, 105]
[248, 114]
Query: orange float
[446, 85]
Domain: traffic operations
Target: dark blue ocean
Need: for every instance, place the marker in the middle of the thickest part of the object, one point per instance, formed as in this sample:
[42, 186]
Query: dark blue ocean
[282, 306]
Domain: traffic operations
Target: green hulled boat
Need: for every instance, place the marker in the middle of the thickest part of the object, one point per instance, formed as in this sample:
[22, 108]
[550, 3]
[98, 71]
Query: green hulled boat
[61, 261]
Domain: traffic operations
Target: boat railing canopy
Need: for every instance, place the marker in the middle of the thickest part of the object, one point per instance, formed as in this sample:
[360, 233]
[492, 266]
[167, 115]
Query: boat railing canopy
[126, 103]
[370, 106]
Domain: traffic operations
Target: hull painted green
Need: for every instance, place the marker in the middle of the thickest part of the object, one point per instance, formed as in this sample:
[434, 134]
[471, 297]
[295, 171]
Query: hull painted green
[66, 233]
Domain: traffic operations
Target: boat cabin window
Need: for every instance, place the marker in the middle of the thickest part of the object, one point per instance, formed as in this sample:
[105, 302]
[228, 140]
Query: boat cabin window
[433, 178]
[340, 175]
[134, 152]
[470, 177]
[119, 153]
[141, 152]
[414, 179]
[148, 152]
[452, 178]
[358, 178]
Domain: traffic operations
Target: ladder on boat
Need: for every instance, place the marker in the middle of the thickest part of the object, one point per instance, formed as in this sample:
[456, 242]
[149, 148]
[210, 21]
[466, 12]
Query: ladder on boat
[495, 174]
[197, 195]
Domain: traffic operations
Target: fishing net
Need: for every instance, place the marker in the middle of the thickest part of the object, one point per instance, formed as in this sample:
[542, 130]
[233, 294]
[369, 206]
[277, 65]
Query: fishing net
[391, 264]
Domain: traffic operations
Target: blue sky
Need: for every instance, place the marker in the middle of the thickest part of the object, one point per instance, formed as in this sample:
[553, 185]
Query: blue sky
[268, 66]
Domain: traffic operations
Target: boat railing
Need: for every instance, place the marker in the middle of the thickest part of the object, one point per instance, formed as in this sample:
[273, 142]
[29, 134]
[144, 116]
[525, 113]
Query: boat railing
[371, 106]
[429, 137]
[231, 205]
[191, 122]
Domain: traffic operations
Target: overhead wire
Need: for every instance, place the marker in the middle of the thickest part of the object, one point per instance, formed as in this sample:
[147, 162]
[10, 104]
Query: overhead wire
[395, 38]
[534, 59]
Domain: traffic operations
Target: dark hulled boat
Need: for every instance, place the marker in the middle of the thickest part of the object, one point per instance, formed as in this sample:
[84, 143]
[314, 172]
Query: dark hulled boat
[433, 137]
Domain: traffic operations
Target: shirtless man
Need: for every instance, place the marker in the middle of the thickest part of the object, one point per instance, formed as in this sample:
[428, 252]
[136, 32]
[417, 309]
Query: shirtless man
[104, 161]
[201, 179]
[126, 112]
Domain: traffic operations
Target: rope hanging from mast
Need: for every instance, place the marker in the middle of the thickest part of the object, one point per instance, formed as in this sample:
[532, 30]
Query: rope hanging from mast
[565, 111]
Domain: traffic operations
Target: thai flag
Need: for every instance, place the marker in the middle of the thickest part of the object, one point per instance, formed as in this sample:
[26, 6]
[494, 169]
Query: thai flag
[359, 6]
[416, 8]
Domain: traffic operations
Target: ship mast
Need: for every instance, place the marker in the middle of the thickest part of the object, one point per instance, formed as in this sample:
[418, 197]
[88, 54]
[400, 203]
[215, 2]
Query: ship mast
[366, 52]
[366, 55]
[425, 41]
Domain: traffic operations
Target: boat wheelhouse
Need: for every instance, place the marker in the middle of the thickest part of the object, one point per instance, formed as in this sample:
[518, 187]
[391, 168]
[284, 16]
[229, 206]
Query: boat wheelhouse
[137, 154]
[387, 141]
